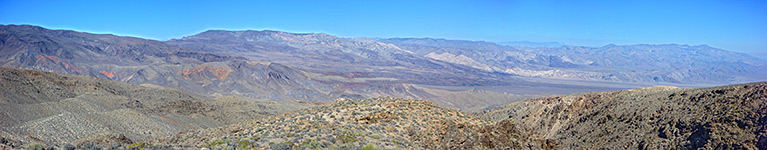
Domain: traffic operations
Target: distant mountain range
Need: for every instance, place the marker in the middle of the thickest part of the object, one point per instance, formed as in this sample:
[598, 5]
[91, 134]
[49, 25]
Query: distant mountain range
[531, 44]
[274, 65]
[760, 55]
[139, 61]
[277, 65]
[669, 63]
[267, 65]
[270, 89]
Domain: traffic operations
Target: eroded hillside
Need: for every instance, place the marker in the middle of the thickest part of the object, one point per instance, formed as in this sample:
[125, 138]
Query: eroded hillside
[52, 109]
[727, 117]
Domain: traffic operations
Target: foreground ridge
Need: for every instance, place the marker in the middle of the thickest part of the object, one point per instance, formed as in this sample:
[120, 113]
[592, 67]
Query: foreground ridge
[725, 117]
[647, 118]
[39, 104]
[384, 122]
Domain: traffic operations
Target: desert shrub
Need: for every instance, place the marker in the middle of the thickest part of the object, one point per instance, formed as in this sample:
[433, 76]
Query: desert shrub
[370, 147]
[244, 145]
[282, 146]
[138, 145]
[347, 136]
[375, 136]
[35, 146]
[216, 143]
[314, 145]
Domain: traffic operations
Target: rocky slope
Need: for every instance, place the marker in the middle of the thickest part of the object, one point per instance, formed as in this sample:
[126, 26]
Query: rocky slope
[726, 117]
[662, 117]
[384, 122]
[52, 109]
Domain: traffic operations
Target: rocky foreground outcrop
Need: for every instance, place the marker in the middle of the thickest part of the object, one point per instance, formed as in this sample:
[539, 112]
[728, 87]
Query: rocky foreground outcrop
[44, 110]
[726, 117]
[384, 122]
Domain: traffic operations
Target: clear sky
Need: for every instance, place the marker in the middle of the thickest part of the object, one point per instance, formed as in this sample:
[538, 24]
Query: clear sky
[739, 25]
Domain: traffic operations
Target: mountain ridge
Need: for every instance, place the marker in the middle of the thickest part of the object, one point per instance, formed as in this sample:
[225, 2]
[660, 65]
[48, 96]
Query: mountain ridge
[213, 74]
[639, 63]
[139, 61]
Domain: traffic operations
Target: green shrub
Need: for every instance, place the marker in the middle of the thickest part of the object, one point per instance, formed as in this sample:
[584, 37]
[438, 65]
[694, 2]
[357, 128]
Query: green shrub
[314, 145]
[375, 136]
[289, 143]
[212, 144]
[35, 146]
[370, 147]
[244, 145]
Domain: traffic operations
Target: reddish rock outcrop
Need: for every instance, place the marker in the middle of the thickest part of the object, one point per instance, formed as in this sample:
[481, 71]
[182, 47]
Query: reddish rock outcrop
[111, 75]
[205, 72]
[50, 61]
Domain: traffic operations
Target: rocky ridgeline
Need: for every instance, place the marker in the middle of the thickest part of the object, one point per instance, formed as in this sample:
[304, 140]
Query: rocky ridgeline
[383, 122]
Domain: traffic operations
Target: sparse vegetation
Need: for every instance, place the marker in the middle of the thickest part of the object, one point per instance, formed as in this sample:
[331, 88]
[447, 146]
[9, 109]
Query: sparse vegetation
[215, 143]
[347, 136]
[138, 145]
[244, 145]
[377, 126]
[35, 146]
[370, 147]
[289, 143]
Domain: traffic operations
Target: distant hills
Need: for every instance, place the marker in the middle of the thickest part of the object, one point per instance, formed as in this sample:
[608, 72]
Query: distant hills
[272, 89]
[268, 65]
[327, 54]
[139, 61]
[274, 65]
[532, 44]
[669, 63]
[317, 67]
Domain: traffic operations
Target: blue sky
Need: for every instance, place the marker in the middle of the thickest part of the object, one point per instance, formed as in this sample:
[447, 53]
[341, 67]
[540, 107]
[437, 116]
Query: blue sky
[733, 25]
